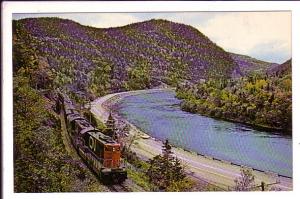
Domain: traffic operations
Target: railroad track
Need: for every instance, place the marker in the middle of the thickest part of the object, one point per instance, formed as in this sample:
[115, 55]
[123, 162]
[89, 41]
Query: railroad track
[119, 188]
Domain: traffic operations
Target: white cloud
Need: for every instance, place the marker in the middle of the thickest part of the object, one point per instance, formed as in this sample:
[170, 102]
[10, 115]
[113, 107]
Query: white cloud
[99, 20]
[105, 20]
[263, 35]
[244, 32]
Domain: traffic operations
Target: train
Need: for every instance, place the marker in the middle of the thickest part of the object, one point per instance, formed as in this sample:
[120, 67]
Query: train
[99, 151]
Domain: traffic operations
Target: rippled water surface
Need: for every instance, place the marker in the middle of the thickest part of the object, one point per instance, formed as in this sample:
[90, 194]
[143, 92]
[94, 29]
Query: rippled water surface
[160, 116]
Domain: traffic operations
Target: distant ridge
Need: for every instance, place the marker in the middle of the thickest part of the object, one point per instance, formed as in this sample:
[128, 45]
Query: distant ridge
[282, 69]
[247, 64]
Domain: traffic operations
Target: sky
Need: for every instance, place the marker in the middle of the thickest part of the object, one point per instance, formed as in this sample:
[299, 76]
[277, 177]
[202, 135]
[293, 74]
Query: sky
[262, 35]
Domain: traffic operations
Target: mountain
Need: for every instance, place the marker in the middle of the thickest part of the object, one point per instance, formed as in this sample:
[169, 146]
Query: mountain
[135, 56]
[247, 64]
[282, 69]
[262, 101]
[87, 62]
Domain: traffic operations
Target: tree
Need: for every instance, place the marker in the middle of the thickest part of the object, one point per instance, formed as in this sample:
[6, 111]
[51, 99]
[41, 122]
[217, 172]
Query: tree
[176, 71]
[100, 77]
[139, 76]
[167, 149]
[111, 126]
[43, 77]
[245, 182]
[166, 170]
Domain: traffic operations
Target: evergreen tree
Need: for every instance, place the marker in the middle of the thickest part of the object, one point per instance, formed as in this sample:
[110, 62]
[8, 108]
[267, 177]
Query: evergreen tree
[110, 126]
[165, 169]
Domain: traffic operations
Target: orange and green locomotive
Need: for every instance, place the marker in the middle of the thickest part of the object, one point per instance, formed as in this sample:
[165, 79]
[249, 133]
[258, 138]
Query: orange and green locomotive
[100, 152]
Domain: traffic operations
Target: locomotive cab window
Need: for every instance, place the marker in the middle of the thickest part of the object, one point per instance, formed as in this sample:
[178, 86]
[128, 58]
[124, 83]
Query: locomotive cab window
[112, 148]
[109, 148]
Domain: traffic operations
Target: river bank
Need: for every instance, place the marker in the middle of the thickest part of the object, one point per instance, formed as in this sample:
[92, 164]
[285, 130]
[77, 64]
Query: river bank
[209, 169]
[260, 127]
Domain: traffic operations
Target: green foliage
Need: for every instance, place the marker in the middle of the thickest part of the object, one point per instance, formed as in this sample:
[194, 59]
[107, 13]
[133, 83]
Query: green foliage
[64, 54]
[177, 71]
[181, 185]
[139, 76]
[141, 179]
[28, 105]
[111, 127]
[100, 78]
[255, 100]
[166, 171]
[24, 56]
[61, 79]
[94, 121]
[40, 160]
[140, 171]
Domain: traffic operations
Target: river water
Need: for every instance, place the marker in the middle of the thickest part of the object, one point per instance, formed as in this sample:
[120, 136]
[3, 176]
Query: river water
[159, 115]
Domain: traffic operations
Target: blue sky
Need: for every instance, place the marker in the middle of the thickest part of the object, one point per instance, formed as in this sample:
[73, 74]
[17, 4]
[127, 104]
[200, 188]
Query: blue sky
[263, 35]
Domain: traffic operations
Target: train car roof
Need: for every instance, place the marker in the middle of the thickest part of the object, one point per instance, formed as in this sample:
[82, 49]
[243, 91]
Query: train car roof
[69, 105]
[83, 131]
[83, 123]
[98, 135]
[64, 96]
[71, 111]
[74, 116]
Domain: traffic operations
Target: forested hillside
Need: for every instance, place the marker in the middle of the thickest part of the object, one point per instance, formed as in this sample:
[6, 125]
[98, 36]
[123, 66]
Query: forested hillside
[281, 70]
[41, 163]
[263, 101]
[87, 62]
[249, 65]
[141, 55]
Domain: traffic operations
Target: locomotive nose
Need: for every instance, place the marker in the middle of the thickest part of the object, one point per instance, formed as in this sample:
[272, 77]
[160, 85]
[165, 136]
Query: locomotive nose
[115, 178]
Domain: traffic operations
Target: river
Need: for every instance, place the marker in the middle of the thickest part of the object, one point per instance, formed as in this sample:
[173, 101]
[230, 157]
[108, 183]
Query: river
[159, 115]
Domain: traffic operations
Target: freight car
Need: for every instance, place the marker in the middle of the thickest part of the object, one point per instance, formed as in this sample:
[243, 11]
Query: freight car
[99, 151]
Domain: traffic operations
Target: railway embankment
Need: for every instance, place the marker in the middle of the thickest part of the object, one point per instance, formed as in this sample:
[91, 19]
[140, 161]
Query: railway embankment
[204, 168]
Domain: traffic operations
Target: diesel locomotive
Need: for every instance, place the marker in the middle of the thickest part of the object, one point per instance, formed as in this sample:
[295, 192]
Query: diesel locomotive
[99, 151]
